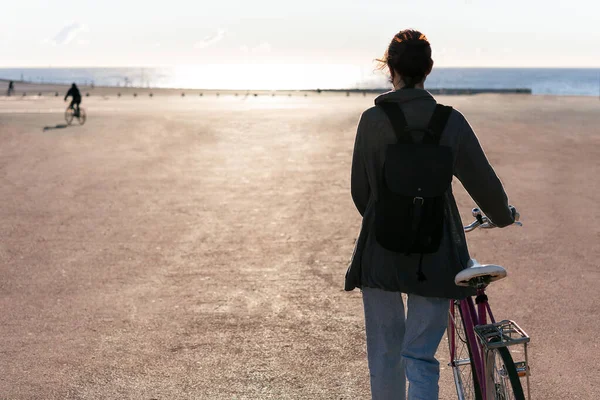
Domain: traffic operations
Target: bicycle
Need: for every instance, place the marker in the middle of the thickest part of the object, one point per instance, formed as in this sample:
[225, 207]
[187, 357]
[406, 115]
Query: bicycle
[482, 364]
[71, 113]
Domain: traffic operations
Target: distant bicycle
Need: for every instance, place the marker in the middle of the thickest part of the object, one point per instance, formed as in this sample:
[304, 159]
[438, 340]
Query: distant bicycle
[71, 113]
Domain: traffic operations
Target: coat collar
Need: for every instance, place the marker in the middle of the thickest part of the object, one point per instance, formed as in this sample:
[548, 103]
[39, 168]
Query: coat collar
[403, 95]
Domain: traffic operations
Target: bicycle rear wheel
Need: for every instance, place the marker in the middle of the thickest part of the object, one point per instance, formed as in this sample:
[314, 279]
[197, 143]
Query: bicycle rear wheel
[465, 377]
[82, 116]
[505, 383]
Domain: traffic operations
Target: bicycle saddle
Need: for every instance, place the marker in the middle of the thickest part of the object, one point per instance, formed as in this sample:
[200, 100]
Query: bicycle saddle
[476, 270]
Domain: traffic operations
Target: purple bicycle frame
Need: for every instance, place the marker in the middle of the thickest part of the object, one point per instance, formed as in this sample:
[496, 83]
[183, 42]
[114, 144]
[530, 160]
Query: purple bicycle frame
[472, 317]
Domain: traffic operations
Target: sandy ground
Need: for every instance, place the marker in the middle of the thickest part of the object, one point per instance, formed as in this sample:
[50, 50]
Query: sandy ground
[195, 248]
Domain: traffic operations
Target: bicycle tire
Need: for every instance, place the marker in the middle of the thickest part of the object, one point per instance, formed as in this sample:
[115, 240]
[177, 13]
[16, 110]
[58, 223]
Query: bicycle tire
[69, 115]
[468, 387]
[501, 390]
[82, 116]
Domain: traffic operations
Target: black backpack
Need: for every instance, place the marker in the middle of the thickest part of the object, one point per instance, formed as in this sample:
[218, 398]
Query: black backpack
[409, 213]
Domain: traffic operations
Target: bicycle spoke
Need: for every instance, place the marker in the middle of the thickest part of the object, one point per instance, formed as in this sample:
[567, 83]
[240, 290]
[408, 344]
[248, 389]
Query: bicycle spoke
[505, 380]
[461, 362]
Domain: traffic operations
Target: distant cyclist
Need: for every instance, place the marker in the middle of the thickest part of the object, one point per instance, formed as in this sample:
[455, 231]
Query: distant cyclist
[74, 92]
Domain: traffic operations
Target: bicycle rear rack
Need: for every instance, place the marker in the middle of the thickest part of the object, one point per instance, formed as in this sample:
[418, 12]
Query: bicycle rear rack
[504, 334]
[501, 334]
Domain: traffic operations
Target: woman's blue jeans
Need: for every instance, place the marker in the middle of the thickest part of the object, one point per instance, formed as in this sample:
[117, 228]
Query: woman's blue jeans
[401, 346]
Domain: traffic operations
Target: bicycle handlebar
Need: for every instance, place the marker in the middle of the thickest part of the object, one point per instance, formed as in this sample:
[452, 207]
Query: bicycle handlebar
[483, 222]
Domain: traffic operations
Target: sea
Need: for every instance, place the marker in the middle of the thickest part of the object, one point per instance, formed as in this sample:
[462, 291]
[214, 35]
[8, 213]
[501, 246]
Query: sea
[541, 81]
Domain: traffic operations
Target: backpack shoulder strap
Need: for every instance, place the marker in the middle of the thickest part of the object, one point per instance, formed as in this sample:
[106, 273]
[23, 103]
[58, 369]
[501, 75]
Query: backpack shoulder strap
[396, 117]
[438, 121]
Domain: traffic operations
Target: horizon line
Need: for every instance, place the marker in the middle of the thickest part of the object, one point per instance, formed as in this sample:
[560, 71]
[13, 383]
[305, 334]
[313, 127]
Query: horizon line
[201, 65]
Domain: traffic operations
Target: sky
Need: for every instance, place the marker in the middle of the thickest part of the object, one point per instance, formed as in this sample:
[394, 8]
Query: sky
[286, 37]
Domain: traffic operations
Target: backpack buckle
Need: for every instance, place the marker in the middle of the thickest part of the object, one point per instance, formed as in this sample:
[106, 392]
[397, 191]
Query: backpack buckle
[418, 198]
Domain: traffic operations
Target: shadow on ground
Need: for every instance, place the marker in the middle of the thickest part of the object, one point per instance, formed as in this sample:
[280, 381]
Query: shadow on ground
[59, 126]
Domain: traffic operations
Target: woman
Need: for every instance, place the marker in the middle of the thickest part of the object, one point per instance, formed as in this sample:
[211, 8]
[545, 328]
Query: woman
[399, 346]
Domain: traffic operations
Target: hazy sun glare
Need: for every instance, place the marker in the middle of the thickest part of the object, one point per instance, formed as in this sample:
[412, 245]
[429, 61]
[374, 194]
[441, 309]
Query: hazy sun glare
[268, 76]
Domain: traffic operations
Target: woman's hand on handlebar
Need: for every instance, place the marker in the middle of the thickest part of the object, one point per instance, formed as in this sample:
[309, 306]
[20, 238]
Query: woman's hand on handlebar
[515, 213]
[483, 222]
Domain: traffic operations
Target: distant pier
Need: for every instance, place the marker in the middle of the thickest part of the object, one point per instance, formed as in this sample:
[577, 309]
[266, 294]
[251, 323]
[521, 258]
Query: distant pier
[50, 89]
[479, 91]
[446, 91]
